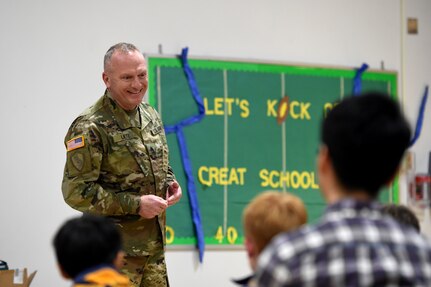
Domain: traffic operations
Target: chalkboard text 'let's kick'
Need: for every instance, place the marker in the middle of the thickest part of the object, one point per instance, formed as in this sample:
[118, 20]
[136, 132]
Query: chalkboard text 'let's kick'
[219, 106]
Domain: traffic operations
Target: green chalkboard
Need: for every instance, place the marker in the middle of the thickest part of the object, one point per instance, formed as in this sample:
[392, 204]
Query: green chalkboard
[239, 149]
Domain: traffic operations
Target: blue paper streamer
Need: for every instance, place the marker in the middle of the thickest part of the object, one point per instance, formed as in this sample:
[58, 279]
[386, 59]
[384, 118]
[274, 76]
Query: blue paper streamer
[420, 118]
[357, 80]
[178, 129]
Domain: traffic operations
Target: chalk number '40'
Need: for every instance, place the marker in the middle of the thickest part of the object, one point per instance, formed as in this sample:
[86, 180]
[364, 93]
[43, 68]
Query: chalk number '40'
[232, 235]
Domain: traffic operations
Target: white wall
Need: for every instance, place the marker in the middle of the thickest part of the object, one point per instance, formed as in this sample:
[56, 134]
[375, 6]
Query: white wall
[417, 74]
[50, 69]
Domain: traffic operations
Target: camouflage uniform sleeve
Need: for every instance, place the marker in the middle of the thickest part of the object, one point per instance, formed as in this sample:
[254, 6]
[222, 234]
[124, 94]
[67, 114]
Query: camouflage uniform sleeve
[80, 186]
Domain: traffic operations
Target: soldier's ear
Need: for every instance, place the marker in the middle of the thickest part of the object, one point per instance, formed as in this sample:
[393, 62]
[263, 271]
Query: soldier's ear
[106, 79]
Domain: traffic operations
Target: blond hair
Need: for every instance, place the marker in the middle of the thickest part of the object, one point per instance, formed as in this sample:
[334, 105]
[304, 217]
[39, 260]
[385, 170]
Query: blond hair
[270, 213]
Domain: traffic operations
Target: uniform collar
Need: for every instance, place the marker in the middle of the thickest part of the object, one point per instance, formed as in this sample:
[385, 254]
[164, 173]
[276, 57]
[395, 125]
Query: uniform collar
[121, 116]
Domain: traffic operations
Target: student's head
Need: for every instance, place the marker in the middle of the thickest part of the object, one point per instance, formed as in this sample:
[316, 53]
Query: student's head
[86, 242]
[363, 140]
[268, 214]
[402, 214]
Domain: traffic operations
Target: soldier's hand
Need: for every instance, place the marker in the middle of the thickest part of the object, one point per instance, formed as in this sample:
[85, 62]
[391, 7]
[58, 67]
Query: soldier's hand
[174, 193]
[151, 206]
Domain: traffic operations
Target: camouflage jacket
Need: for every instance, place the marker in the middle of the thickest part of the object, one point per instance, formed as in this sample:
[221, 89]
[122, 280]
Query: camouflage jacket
[112, 161]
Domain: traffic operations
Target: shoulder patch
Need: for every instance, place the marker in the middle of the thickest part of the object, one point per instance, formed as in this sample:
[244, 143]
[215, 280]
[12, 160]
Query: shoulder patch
[75, 143]
[78, 161]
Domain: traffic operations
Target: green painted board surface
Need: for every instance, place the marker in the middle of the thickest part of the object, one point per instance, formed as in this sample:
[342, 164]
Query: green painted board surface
[239, 150]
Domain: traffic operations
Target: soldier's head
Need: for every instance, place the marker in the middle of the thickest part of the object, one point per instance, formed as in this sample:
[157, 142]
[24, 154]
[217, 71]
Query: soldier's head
[85, 242]
[125, 75]
[267, 215]
[363, 140]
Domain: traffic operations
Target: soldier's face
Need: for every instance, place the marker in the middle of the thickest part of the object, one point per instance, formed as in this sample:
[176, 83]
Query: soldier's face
[126, 78]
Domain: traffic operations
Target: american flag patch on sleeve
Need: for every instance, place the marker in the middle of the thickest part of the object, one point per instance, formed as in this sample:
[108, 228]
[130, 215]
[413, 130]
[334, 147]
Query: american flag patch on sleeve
[75, 143]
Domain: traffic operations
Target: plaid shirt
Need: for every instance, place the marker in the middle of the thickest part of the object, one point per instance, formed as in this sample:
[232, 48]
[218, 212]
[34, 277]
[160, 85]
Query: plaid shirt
[353, 245]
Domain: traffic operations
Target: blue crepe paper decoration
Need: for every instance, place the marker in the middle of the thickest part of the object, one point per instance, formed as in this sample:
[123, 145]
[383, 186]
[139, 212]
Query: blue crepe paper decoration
[357, 80]
[420, 118]
[178, 129]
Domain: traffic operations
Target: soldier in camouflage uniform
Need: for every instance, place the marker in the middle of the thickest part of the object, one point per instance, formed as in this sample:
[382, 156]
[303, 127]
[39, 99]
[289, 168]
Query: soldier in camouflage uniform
[117, 165]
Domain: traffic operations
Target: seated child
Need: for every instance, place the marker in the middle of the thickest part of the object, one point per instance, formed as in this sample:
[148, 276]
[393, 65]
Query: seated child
[88, 251]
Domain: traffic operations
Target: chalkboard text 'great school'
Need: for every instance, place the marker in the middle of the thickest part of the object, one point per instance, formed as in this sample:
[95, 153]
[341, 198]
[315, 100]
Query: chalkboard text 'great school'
[209, 175]
[291, 179]
[212, 175]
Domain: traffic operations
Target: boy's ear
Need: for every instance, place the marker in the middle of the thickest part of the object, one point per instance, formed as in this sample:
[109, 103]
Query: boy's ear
[323, 167]
[252, 252]
[392, 178]
[328, 181]
[63, 273]
[249, 247]
[323, 160]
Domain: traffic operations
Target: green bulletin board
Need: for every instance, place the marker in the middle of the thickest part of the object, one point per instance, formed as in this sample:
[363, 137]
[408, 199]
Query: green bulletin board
[239, 150]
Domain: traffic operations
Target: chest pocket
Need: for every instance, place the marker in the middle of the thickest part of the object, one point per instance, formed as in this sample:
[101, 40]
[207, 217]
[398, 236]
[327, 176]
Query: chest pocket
[128, 155]
[155, 150]
[156, 145]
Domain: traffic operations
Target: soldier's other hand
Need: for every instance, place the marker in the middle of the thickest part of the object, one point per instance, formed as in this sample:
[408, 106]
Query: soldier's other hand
[174, 193]
[151, 206]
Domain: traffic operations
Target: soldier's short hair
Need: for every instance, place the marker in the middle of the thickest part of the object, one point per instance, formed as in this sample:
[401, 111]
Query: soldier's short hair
[121, 47]
[271, 213]
[86, 242]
